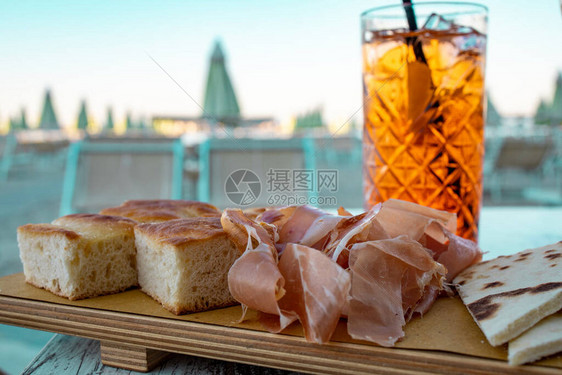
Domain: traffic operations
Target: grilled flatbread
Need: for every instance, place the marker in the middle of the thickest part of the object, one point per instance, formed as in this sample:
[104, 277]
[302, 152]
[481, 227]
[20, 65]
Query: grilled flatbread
[508, 295]
[542, 340]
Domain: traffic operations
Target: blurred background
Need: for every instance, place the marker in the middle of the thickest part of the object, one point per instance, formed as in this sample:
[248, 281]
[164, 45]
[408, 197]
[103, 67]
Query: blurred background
[97, 97]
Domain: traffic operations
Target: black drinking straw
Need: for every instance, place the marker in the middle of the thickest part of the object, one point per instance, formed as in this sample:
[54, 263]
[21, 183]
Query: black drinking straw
[418, 51]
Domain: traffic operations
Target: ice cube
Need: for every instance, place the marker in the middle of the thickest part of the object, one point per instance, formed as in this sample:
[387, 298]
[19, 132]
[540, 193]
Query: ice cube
[437, 22]
[469, 39]
[468, 42]
[466, 30]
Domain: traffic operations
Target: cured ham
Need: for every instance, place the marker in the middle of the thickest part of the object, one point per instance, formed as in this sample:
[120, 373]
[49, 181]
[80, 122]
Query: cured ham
[406, 218]
[254, 279]
[246, 233]
[343, 212]
[353, 229]
[378, 268]
[253, 212]
[388, 280]
[460, 254]
[434, 229]
[316, 291]
[303, 225]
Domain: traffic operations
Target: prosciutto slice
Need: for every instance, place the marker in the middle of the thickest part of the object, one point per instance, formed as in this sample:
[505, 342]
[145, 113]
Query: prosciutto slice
[303, 225]
[253, 212]
[277, 216]
[405, 218]
[246, 233]
[388, 280]
[254, 279]
[343, 212]
[460, 254]
[434, 229]
[316, 291]
[353, 229]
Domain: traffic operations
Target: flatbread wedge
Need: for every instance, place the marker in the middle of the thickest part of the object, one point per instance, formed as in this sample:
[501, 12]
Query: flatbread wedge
[544, 339]
[510, 294]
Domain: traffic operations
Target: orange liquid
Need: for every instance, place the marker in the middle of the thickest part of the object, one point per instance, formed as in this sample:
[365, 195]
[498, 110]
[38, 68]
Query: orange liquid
[423, 138]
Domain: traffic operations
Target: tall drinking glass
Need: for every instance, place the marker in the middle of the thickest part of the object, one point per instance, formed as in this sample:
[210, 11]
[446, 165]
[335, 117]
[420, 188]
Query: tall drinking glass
[424, 107]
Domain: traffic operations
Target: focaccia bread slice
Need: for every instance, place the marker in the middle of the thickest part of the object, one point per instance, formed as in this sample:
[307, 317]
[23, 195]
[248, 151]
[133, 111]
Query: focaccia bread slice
[80, 256]
[508, 295]
[159, 210]
[184, 263]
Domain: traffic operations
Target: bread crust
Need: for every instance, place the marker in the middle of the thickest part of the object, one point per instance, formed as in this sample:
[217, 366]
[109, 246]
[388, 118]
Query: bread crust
[47, 230]
[182, 232]
[95, 219]
[90, 226]
[159, 210]
[70, 226]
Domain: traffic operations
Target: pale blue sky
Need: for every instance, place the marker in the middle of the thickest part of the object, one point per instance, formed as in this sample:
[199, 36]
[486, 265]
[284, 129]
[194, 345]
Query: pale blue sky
[284, 57]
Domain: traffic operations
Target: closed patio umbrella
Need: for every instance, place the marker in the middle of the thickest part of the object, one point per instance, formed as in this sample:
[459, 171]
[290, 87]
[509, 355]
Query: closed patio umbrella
[556, 107]
[82, 117]
[220, 100]
[19, 124]
[48, 116]
[541, 116]
[128, 122]
[109, 124]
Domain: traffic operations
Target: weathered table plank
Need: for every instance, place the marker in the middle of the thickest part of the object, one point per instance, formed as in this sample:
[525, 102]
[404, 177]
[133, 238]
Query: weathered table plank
[75, 355]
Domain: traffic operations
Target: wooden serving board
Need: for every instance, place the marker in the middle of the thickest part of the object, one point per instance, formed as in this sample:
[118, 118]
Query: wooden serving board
[137, 333]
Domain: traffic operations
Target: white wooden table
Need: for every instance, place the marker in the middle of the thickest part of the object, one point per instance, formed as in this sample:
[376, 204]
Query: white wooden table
[504, 230]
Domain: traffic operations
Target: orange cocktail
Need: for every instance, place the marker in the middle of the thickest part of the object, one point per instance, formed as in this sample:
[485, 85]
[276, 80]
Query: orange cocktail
[423, 138]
